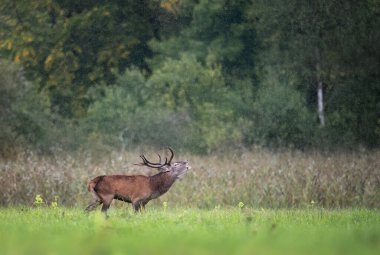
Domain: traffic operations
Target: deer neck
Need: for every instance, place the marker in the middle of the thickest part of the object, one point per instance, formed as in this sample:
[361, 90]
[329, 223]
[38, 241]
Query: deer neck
[160, 183]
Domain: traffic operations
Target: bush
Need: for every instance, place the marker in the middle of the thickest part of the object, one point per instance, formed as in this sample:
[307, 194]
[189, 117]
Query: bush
[11, 85]
[199, 91]
[184, 104]
[281, 117]
[126, 116]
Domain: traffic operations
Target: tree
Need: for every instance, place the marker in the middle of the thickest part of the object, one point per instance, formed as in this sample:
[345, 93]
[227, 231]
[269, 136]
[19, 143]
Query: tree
[70, 46]
[280, 115]
[214, 31]
[320, 43]
[11, 85]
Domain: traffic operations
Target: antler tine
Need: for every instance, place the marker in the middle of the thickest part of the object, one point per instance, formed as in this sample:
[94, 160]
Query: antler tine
[146, 162]
[171, 157]
[150, 164]
[143, 163]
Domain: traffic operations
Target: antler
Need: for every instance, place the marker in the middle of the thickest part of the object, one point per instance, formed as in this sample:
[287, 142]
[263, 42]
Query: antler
[156, 165]
[170, 160]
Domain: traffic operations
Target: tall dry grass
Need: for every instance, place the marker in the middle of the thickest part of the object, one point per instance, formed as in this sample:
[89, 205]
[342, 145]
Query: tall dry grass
[259, 179]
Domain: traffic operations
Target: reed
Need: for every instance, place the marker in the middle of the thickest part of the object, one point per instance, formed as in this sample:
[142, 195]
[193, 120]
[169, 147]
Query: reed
[256, 178]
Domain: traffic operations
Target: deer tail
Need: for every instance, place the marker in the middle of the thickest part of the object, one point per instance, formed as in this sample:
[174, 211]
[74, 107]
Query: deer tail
[91, 184]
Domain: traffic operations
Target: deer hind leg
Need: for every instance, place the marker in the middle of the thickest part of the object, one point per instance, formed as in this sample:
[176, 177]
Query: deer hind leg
[144, 203]
[106, 200]
[94, 202]
[92, 206]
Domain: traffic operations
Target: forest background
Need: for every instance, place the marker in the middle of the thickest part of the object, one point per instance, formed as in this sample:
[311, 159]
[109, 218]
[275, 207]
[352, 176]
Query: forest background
[201, 76]
[204, 77]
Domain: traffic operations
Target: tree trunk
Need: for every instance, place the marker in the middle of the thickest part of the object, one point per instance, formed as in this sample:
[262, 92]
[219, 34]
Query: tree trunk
[320, 103]
[321, 114]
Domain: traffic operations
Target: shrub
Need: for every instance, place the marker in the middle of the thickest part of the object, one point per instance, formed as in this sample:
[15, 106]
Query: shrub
[11, 85]
[183, 104]
[126, 116]
[199, 92]
[280, 116]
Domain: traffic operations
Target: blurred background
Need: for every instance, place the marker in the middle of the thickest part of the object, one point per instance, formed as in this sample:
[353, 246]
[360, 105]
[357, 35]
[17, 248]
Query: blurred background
[278, 102]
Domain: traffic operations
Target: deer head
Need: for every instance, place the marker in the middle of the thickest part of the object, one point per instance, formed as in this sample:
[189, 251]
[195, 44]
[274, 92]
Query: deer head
[175, 170]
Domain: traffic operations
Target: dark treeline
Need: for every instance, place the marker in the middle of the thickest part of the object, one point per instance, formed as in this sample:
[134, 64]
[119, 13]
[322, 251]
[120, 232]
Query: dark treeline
[198, 75]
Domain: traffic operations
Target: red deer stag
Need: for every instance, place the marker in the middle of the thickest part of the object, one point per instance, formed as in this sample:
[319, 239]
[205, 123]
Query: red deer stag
[136, 189]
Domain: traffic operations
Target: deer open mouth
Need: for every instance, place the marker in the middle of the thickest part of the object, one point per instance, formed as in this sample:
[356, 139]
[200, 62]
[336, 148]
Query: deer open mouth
[183, 172]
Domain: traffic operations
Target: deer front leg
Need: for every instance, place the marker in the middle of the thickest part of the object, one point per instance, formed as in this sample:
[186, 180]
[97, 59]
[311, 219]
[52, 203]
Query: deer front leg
[136, 207]
[139, 204]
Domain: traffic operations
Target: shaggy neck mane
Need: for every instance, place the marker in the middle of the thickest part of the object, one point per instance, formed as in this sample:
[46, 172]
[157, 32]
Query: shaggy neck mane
[161, 182]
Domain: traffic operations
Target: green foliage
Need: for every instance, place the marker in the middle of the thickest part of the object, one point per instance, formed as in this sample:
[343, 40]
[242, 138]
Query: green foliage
[183, 104]
[199, 75]
[38, 200]
[69, 47]
[128, 116]
[197, 92]
[11, 84]
[216, 32]
[39, 127]
[326, 41]
[281, 117]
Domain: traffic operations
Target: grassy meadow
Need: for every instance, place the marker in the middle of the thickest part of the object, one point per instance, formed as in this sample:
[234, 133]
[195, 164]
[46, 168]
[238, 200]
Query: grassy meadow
[164, 230]
[255, 202]
[260, 178]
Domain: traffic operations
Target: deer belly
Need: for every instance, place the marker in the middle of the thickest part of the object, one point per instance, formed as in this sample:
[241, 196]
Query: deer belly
[123, 198]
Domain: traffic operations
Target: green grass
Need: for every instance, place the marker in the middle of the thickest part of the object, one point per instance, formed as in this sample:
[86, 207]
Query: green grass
[189, 231]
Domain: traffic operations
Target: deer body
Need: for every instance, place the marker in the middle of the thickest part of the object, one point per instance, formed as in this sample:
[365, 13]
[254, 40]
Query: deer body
[135, 189]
